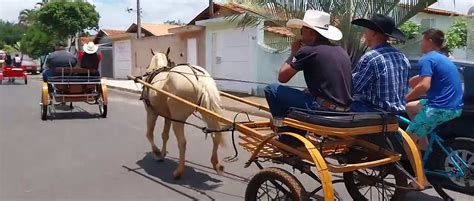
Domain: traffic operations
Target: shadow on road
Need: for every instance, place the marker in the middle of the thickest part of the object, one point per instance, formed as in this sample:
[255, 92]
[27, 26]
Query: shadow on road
[64, 112]
[17, 82]
[422, 196]
[162, 173]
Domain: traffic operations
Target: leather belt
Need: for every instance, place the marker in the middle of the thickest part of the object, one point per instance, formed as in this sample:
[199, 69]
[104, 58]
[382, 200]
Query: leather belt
[331, 106]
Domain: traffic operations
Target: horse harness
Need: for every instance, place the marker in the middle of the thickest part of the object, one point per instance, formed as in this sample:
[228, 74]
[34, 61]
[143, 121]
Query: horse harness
[151, 75]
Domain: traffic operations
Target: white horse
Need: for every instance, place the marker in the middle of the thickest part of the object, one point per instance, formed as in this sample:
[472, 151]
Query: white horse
[192, 83]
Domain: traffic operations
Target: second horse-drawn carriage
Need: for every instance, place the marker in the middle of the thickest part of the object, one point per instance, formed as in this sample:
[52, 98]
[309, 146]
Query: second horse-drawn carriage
[73, 84]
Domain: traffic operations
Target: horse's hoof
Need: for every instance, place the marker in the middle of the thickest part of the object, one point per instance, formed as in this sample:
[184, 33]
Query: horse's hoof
[158, 155]
[177, 175]
[220, 170]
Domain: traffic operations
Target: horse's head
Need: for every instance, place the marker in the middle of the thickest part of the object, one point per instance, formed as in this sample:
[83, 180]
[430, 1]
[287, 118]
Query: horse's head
[159, 60]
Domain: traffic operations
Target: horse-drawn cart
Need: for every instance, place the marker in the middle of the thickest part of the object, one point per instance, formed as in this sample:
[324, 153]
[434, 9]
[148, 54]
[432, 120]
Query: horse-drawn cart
[69, 85]
[333, 144]
[12, 72]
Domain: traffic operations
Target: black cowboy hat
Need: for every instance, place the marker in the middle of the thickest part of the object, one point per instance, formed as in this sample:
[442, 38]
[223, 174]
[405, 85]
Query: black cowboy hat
[381, 23]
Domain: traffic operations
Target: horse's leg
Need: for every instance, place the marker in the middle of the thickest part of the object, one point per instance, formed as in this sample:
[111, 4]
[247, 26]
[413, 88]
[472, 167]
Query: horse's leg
[178, 129]
[151, 121]
[217, 139]
[165, 136]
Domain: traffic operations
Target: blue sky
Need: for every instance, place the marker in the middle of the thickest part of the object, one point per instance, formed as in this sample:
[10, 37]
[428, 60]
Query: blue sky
[113, 12]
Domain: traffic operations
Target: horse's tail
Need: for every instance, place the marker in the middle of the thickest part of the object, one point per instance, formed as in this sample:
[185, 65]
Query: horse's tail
[210, 99]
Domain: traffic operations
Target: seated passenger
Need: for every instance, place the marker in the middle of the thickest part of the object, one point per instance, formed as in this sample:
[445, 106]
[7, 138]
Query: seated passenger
[326, 68]
[89, 58]
[59, 58]
[380, 79]
[439, 79]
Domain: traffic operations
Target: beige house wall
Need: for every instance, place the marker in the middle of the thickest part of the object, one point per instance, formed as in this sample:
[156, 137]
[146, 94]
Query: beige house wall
[141, 54]
[201, 45]
[141, 51]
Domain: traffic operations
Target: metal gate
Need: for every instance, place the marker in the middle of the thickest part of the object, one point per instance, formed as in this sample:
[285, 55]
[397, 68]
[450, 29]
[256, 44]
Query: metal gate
[106, 65]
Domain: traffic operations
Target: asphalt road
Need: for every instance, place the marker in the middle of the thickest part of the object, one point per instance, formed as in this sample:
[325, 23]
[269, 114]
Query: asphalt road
[78, 156]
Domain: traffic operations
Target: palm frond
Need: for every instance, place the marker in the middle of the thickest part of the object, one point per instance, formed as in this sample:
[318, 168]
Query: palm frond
[342, 13]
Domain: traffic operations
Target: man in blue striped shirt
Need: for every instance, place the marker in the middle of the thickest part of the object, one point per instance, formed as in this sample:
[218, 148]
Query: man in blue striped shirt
[380, 79]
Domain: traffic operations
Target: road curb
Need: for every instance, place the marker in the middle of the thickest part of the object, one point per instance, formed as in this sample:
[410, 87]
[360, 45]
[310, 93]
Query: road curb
[254, 112]
[123, 89]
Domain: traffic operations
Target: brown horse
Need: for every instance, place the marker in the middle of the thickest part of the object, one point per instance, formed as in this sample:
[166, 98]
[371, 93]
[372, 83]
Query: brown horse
[192, 83]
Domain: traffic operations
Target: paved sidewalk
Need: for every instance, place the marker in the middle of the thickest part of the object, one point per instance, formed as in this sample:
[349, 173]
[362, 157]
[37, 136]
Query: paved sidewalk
[228, 104]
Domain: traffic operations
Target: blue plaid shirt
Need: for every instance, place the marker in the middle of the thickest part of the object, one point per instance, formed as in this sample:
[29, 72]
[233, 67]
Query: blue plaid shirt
[381, 78]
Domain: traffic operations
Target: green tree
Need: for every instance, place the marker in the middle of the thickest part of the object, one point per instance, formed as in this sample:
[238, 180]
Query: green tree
[456, 36]
[411, 29]
[11, 33]
[278, 12]
[65, 19]
[37, 42]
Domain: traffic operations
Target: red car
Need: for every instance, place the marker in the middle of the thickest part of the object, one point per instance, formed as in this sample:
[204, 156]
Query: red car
[29, 65]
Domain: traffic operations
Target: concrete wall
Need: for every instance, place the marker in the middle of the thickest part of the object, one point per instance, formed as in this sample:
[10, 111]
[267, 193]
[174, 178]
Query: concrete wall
[201, 46]
[441, 22]
[267, 60]
[412, 48]
[141, 54]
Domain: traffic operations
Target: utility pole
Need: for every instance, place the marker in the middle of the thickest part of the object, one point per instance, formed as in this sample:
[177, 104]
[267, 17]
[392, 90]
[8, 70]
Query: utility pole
[211, 8]
[139, 23]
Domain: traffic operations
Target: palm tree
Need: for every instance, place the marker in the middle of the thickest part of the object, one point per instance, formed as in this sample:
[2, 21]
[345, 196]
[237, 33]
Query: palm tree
[277, 12]
[27, 17]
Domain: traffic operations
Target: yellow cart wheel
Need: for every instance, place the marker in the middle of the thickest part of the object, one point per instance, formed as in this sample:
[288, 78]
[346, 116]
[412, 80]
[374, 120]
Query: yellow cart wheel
[320, 163]
[44, 101]
[373, 183]
[275, 184]
[103, 96]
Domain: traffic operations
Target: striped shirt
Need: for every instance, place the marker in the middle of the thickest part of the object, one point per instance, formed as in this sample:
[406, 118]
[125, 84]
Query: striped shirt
[381, 78]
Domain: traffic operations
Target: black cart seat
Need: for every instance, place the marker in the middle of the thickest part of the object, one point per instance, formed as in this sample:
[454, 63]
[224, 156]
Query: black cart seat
[342, 119]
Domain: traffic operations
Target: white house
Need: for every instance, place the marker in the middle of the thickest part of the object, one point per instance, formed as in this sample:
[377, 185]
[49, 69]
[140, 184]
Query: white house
[235, 54]
[432, 18]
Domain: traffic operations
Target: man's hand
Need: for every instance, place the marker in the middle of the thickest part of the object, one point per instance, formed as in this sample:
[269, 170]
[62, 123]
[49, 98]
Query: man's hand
[296, 46]
[306, 91]
[424, 84]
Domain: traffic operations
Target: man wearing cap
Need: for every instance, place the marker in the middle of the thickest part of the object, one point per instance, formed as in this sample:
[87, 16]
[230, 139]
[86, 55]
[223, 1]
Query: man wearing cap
[59, 58]
[89, 58]
[380, 79]
[326, 68]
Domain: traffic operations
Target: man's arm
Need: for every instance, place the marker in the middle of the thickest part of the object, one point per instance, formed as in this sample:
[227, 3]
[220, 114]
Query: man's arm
[420, 89]
[414, 81]
[286, 73]
[423, 83]
[361, 75]
[286, 70]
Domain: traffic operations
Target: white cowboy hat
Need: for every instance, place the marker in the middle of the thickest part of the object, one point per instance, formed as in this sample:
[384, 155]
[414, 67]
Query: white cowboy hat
[318, 21]
[90, 48]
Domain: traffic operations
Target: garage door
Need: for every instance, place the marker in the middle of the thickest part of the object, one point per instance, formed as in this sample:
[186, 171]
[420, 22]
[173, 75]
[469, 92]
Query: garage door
[232, 58]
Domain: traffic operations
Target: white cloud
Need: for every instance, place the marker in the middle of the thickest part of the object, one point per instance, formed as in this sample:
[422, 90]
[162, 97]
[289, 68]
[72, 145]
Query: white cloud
[113, 12]
[153, 11]
[10, 9]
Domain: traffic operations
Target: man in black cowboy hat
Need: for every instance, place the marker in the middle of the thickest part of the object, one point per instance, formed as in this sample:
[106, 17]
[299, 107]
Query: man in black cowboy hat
[380, 79]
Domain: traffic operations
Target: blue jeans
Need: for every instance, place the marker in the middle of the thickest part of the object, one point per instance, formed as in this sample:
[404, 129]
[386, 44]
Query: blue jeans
[280, 98]
[46, 73]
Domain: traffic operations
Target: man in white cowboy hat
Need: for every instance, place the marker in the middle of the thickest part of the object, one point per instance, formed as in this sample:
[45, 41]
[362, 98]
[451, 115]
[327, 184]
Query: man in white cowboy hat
[59, 58]
[380, 79]
[89, 58]
[326, 68]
